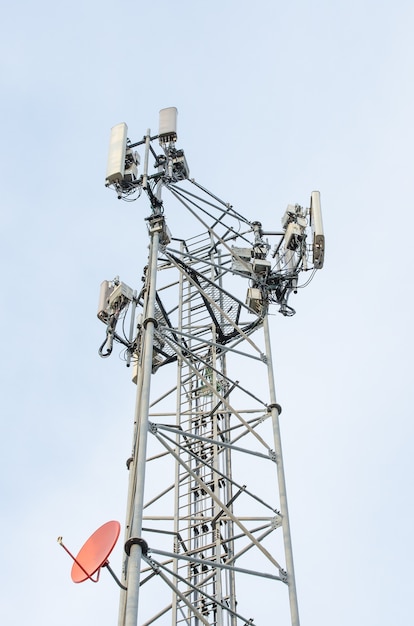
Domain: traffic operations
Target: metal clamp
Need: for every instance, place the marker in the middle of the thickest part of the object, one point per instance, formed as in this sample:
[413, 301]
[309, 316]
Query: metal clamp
[139, 542]
[274, 406]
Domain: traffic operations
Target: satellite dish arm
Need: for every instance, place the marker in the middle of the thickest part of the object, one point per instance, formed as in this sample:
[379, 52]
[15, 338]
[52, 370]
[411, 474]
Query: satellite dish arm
[114, 576]
[60, 542]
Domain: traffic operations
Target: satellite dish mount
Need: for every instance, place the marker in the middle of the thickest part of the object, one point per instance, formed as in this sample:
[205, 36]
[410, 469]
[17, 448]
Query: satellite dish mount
[94, 554]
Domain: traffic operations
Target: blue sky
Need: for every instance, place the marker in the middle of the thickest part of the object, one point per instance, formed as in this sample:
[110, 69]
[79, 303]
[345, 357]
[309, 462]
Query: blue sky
[275, 100]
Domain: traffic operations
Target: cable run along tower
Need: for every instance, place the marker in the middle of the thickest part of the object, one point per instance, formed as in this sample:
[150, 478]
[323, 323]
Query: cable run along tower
[207, 535]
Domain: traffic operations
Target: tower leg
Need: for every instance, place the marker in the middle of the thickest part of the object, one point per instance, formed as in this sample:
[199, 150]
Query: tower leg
[294, 610]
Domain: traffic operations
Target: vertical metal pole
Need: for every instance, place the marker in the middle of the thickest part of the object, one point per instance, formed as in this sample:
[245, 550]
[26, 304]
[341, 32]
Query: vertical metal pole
[178, 424]
[131, 480]
[131, 326]
[216, 531]
[294, 610]
[134, 563]
[146, 155]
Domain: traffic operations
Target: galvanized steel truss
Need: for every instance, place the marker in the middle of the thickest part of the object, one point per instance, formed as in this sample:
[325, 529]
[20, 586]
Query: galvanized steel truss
[215, 498]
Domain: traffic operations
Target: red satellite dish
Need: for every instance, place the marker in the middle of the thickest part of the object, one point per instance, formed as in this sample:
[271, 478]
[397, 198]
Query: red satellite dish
[95, 552]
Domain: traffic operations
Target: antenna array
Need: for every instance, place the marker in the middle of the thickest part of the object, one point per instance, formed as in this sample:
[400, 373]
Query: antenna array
[207, 536]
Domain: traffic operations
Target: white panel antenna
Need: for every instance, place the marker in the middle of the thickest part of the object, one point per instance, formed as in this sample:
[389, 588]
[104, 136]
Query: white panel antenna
[103, 307]
[117, 151]
[317, 230]
[168, 125]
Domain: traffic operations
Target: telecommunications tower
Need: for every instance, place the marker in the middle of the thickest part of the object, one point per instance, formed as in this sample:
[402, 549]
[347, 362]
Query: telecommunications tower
[207, 537]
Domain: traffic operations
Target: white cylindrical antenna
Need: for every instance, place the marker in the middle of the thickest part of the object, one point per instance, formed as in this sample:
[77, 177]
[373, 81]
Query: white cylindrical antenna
[116, 157]
[317, 230]
[168, 125]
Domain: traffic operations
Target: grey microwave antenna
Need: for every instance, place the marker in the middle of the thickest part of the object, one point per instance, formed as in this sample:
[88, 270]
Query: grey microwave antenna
[207, 534]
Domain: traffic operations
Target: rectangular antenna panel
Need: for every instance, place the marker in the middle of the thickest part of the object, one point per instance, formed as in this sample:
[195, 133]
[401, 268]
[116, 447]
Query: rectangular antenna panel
[117, 151]
[168, 125]
[103, 306]
[317, 230]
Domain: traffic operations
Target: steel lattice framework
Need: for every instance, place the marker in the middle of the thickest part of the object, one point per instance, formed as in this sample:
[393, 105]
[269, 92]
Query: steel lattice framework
[207, 523]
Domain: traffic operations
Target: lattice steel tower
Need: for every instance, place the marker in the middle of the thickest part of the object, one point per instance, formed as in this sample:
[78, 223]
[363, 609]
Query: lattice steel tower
[207, 537]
